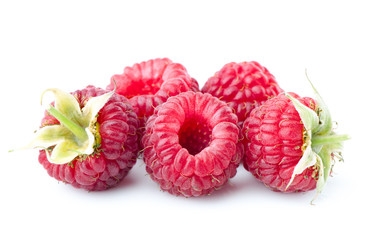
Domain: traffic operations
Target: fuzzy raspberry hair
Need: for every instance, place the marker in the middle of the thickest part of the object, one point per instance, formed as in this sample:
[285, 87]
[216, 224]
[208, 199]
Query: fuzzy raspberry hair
[273, 141]
[191, 144]
[150, 83]
[117, 153]
[243, 86]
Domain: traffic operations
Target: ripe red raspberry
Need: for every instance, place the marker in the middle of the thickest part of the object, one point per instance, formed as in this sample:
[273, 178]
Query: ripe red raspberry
[243, 86]
[191, 144]
[289, 143]
[114, 151]
[150, 83]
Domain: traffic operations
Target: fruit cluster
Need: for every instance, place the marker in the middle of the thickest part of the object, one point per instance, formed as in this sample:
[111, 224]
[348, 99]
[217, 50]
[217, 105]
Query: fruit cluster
[192, 141]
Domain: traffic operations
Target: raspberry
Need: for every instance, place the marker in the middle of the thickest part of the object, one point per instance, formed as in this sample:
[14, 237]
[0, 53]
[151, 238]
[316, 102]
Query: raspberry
[243, 86]
[115, 151]
[290, 144]
[273, 144]
[191, 144]
[148, 84]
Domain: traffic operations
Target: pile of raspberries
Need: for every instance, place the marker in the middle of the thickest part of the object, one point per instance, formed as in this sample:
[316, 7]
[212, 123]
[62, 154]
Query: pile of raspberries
[191, 139]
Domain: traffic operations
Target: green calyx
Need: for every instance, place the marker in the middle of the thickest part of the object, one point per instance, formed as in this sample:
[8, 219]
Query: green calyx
[322, 145]
[77, 134]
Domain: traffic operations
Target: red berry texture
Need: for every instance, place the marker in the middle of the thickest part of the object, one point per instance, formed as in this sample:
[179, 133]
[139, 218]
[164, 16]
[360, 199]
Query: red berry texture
[243, 86]
[150, 83]
[290, 144]
[273, 144]
[191, 144]
[115, 149]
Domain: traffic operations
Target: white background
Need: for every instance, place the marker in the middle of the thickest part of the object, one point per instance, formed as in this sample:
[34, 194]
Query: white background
[70, 44]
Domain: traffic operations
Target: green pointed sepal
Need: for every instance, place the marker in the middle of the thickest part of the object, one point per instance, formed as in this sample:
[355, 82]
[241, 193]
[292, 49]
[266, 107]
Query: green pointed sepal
[76, 134]
[310, 121]
[320, 141]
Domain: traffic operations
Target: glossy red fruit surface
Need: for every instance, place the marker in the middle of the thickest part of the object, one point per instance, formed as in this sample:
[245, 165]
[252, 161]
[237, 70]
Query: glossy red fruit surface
[115, 154]
[150, 83]
[273, 140]
[192, 144]
[243, 86]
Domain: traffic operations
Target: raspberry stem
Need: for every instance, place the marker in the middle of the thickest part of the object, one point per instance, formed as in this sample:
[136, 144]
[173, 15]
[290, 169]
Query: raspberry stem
[76, 129]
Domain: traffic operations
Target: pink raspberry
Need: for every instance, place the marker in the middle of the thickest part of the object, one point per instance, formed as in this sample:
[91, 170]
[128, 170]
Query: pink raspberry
[191, 144]
[115, 149]
[290, 144]
[150, 83]
[243, 86]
